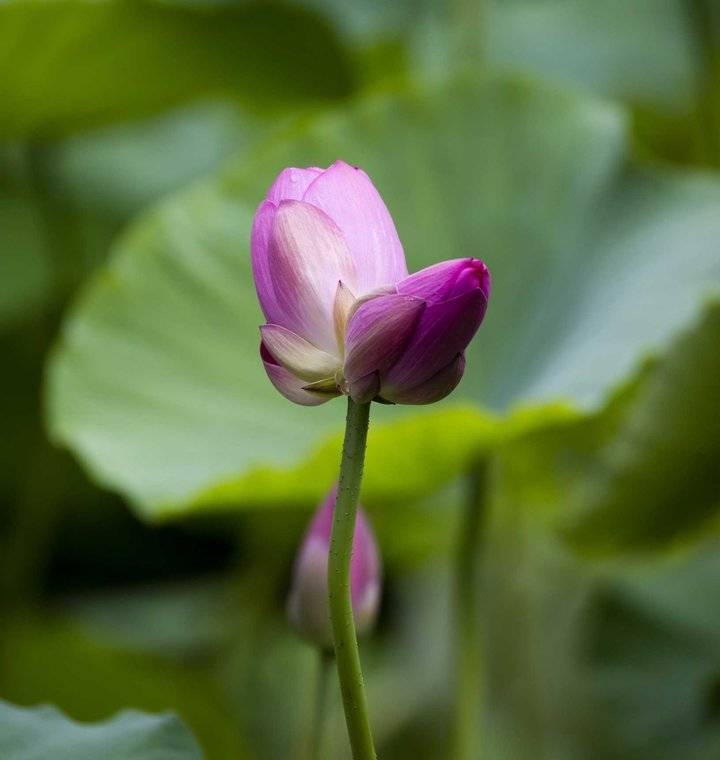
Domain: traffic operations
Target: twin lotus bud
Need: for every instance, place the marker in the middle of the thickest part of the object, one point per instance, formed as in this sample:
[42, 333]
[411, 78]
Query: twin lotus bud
[343, 315]
[308, 607]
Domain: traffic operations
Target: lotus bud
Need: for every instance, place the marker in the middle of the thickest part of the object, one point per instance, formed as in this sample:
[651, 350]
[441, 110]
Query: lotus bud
[343, 315]
[307, 606]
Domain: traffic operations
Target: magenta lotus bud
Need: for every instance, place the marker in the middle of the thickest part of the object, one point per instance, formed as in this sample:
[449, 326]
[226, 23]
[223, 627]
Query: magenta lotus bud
[307, 607]
[343, 316]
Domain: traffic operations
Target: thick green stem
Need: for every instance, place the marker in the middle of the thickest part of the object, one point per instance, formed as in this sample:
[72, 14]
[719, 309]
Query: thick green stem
[347, 656]
[466, 736]
[317, 728]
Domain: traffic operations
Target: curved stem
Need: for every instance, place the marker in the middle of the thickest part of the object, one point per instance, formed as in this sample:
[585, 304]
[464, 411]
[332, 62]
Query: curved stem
[317, 729]
[467, 644]
[347, 656]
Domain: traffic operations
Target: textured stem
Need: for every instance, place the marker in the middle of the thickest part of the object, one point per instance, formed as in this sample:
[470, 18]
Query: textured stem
[466, 736]
[347, 656]
[317, 729]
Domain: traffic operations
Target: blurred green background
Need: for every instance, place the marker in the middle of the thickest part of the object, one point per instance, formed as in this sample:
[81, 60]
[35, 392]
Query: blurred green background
[154, 486]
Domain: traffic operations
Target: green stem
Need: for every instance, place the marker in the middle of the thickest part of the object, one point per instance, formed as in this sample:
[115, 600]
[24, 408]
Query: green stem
[317, 728]
[702, 21]
[347, 656]
[466, 737]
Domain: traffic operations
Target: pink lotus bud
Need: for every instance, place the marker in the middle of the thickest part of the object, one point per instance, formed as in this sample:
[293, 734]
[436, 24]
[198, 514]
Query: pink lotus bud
[308, 601]
[343, 316]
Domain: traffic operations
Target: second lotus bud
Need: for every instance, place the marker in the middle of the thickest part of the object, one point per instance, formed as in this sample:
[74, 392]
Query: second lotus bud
[307, 607]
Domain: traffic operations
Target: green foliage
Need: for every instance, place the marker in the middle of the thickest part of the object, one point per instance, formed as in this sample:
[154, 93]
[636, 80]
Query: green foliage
[34, 734]
[156, 382]
[643, 470]
[54, 660]
[591, 391]
[69, 64]
[24, 266]
[611, 658]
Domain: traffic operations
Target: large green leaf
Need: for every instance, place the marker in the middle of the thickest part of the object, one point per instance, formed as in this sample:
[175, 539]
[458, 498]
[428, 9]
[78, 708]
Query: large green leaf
[649, 55]
[596, 261]
[119, 169]
[69, 64]
[644, 54]
[42, 732]
[644, 470]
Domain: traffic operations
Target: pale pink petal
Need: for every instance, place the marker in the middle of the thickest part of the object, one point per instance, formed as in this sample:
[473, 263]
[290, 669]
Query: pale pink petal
[291, 184]
[290, 386]
[342, 309]
[350, 199]
[259, 245]
[307, 257]
[297, 355]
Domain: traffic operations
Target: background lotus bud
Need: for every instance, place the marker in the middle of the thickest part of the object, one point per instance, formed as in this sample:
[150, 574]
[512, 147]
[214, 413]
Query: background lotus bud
[308, 601]
[343, 316]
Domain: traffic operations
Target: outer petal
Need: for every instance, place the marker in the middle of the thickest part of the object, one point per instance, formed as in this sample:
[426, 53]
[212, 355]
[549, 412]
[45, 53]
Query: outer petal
[259, 245]
[350, 199]
[443, 332]
[446, 280]
[307, 257]
[307, 605]
[290, 386]
[291, 184]
[431, 390]
[297, 355]
[378, 332]
[365, 388]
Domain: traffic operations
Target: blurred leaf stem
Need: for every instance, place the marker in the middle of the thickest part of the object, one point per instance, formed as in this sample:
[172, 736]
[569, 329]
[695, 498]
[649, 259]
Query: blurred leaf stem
[347, 655]
[468, 20]
[466, 737]
[322, 681]
[37, 510]
[703, 26]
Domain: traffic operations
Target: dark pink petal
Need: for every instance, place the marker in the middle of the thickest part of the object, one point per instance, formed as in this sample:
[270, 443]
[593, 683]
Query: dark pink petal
[431, 390]
[378, 332]
[350, 199]
[364, 389]
[290, 386]
[291, 184]
[443, 332]
[448, 279]
[307, 257]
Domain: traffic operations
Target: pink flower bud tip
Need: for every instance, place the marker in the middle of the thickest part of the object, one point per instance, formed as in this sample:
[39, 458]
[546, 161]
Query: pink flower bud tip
[307, 606]
[343, 315]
